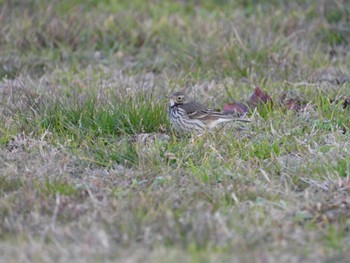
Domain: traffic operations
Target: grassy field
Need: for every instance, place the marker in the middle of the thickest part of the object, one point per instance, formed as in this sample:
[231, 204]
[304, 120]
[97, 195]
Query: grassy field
[91, 171]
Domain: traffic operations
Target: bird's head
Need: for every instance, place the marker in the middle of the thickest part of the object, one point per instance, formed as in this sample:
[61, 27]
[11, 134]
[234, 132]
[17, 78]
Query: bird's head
[178, 97]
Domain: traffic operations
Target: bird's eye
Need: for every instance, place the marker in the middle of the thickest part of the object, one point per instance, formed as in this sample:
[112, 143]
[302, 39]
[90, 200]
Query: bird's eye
[179, 98]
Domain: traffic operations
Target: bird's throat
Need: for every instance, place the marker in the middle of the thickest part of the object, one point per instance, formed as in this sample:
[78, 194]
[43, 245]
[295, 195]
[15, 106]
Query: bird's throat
[173, 104]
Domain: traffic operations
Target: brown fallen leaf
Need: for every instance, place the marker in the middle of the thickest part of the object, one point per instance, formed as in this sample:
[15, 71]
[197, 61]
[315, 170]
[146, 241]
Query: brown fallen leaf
[290, 103]
[236, 107]
[259, 96]
[240, 108]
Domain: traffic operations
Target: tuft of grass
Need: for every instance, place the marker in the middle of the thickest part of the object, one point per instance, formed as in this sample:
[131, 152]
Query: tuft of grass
[130, 116]
[57, 186]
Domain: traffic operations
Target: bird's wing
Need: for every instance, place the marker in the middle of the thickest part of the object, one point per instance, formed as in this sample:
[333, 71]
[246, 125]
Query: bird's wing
[211, 115]
[193, 106]
[207, 115]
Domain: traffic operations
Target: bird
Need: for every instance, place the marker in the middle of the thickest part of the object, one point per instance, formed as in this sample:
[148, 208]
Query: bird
[187, 115]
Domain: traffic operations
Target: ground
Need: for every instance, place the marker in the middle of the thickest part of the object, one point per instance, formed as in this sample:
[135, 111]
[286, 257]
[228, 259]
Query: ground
[91, 171]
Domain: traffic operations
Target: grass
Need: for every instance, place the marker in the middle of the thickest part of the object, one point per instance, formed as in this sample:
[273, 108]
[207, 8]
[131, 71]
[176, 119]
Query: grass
[90, 169]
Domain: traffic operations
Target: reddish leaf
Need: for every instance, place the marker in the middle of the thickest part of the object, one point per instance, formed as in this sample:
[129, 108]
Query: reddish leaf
[291, 103]
[240, 108]
[259, 96]
[236, 107]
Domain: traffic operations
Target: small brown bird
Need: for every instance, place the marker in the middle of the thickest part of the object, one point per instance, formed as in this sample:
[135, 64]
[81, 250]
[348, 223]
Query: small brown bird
[187, 115]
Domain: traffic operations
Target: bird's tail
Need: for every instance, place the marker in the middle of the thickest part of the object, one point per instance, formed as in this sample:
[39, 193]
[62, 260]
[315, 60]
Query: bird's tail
[242, 120]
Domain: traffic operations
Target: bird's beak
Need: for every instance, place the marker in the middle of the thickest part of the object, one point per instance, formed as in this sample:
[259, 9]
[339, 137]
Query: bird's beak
[171, 99]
